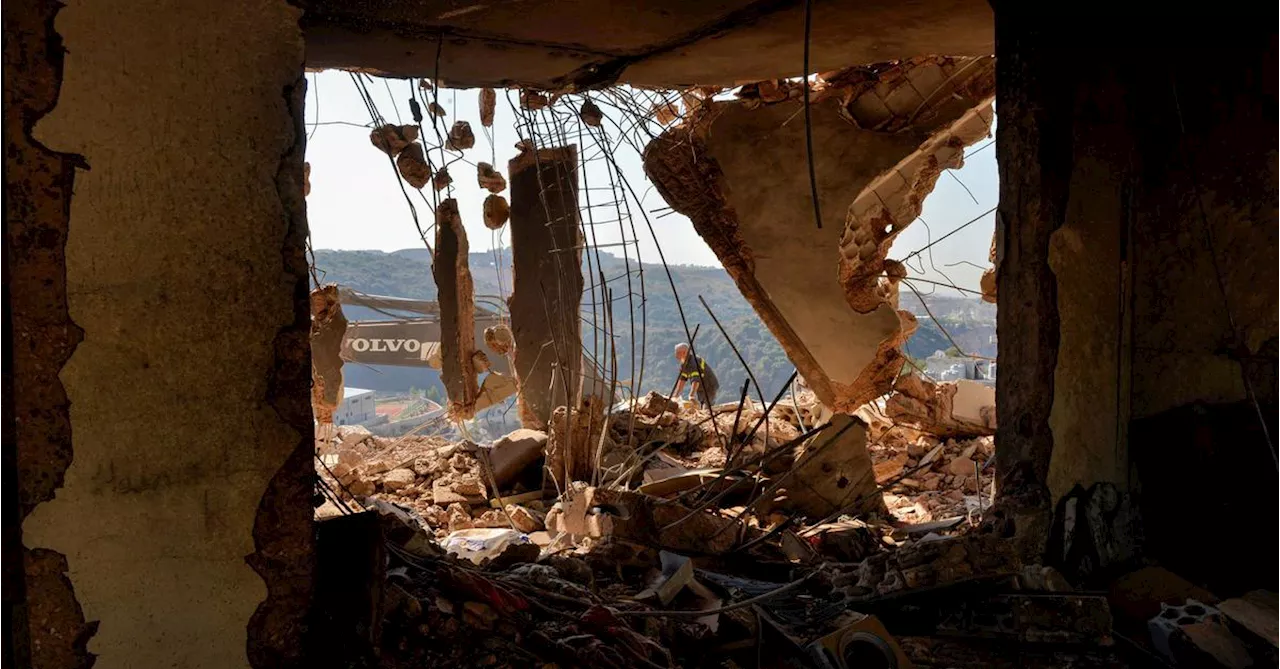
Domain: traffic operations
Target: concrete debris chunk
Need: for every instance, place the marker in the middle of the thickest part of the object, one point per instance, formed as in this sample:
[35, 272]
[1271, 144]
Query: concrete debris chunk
[525, 520]
[461, 137]
[488, 101]
[441, 180]
[397, 479]
[514, 452]
[392, 139]
[656, 404]
[591, 114]
[532, 100]
[436, 110]
[834, 472]
[412, 164]
[496, 212]
[489, 178]
[947, 409]
[328, 328]
[498, 338]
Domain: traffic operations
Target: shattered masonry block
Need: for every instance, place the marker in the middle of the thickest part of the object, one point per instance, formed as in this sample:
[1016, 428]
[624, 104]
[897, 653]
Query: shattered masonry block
[496, 212]
[457, 311]
[412, 164]
[489, 178]
[488, 101]
[460, 137]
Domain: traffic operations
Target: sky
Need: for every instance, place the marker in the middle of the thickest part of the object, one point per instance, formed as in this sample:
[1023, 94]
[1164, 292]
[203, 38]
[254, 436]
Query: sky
[356, 203]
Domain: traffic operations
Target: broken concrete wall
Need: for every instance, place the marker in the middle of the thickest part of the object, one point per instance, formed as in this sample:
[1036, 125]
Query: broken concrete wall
[456, 294]
[182, 526]
[882, 135]
[1128, 170]
[328, 329]
[546, 280]
[948, 409]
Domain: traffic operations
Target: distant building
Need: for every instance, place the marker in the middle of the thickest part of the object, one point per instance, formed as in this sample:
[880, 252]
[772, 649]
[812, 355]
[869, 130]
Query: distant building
[942, 367]
[357, 407]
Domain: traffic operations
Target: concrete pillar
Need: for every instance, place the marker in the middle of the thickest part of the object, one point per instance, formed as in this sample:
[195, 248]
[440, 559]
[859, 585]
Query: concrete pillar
[456, 295]
[547, 280]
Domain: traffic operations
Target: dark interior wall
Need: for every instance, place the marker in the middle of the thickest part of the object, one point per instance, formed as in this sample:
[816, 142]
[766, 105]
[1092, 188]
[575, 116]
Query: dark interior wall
[1128, 170]
[160, 374]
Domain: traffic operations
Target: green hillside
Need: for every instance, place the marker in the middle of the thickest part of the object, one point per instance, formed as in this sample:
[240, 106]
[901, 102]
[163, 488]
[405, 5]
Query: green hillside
[407, 274]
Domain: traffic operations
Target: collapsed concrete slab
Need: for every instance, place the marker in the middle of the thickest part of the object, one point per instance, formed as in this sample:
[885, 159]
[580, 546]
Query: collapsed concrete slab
[948, 409]
[834, 473]
[328, 328]
[457, 311]
[546, 280]
[882, 135]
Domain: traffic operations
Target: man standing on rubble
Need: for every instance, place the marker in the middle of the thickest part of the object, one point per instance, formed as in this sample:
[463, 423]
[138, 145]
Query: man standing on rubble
[703, 384]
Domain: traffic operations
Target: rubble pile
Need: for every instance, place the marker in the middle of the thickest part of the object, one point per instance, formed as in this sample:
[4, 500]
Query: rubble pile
[712, 536]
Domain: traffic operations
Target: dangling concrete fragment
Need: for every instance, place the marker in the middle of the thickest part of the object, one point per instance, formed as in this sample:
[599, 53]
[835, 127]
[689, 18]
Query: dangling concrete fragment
[498, 339]
[882, 135]
[328, 326]
[413, 166]
[591, 114]
[496, 212]
[436, 109]
[457, 311]
[547, 280]
[532, 100]
[490, 179]
[488, 101]
[460, 137]
[441, 180]
[392, 139]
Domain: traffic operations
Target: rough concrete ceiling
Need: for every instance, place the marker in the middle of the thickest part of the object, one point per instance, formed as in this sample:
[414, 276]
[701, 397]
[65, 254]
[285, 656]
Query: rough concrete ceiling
[557, 43]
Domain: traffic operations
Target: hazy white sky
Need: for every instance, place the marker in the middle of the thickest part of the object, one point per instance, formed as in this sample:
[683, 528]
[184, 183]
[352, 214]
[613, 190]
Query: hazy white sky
[355, 202]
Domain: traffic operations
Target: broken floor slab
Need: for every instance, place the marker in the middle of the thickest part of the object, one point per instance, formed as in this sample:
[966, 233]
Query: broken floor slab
[739, 172]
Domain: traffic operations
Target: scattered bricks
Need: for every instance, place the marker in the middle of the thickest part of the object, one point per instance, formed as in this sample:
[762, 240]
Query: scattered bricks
[398, 479]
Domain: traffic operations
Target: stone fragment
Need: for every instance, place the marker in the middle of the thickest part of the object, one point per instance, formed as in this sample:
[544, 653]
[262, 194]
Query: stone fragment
[441, 180]
[461, 137]
[490, 179]
[526, 521]
[961, 467]
[436, 109]
[360, 487]
[532, 100]
[591, 114]
[392, 139]
[397, 479]
[655, 404]
[947, 409]
[488, 101]
[459, 518]
[833, 471]
[412, 164]
[515, 451]
[496, 212]
[375, 467]
[435, 516]
[498, 338]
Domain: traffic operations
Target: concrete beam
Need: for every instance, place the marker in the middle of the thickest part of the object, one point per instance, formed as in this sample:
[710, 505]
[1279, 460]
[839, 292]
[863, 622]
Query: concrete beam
[457, 311]
[883, 135]
[546, 280]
